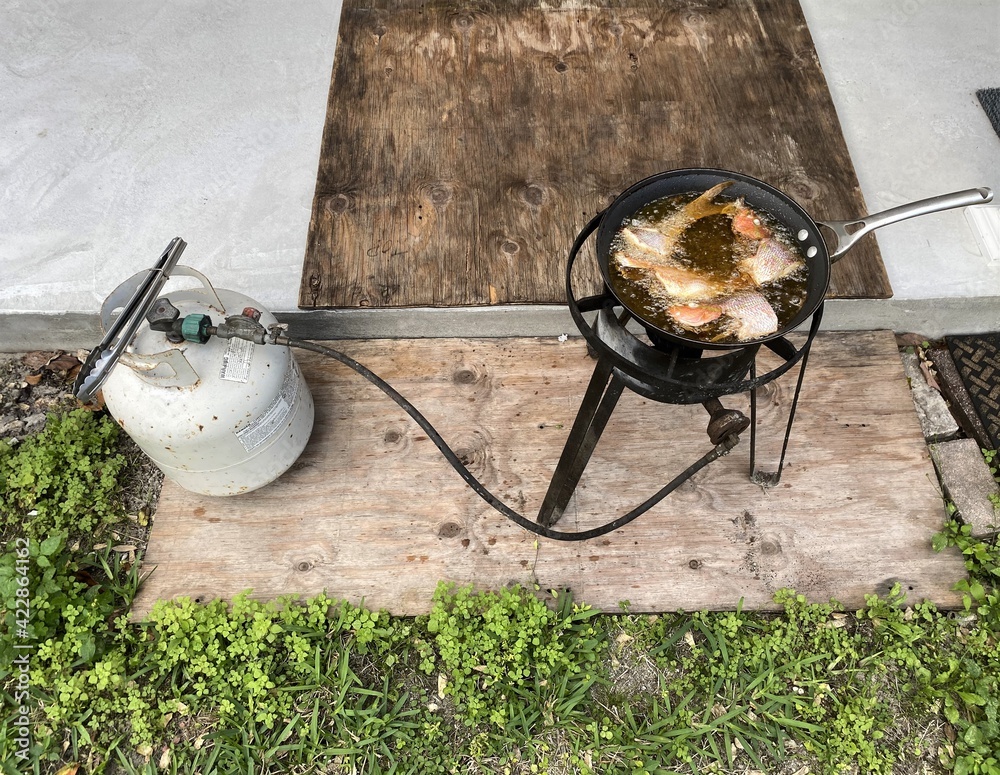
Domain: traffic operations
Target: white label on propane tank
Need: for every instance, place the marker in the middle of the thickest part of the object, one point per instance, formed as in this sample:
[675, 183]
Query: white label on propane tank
[236, 360]
[274, 417]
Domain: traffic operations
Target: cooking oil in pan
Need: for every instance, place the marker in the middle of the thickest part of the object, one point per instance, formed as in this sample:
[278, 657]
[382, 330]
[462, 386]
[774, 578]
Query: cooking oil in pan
[713, 261]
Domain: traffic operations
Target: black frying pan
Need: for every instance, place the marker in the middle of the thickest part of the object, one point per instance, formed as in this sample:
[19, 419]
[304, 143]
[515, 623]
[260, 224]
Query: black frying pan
[763, 198]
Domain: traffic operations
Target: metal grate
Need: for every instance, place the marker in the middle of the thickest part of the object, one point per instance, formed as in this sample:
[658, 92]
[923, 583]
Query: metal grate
[977, 358]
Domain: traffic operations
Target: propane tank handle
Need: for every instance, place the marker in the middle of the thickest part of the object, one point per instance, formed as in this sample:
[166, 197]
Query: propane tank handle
[119, 296]
[215, 302]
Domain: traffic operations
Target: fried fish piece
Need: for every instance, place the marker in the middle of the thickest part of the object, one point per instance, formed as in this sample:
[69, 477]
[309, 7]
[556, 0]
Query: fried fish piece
[694, 315]
[660, 241]
[773, 260]
[677, 282]
[750, 316]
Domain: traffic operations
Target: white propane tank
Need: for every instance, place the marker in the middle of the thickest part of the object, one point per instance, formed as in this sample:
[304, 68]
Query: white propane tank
[220, 418]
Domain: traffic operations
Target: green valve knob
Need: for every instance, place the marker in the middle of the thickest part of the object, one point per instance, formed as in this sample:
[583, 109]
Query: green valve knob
[194, 328]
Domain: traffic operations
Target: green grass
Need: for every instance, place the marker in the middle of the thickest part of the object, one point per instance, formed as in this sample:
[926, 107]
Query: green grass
[508, 681]
[501, 682]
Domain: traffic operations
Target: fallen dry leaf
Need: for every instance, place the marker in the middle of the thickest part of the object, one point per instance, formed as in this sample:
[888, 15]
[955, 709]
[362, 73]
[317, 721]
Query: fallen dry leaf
[33, 379]
[442, 683]
[37, 359]
[63, 363]
[123, 548]
[69, 769]
[929, 375]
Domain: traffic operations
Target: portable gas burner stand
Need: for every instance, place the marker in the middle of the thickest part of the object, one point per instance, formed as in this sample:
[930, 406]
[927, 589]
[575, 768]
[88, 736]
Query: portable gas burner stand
[666, 373]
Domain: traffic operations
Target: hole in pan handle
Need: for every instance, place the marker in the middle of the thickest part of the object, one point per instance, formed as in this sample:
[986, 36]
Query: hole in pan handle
[849, 232]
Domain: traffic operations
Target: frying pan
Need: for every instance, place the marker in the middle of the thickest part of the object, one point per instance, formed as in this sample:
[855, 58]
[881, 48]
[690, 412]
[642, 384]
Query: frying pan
[763, 198]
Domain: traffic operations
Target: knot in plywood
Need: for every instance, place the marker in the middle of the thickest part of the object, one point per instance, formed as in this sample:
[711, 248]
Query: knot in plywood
[450, 530]
[533, 193]
[339, 203]
[473, 448]
[805, 189]
[393, 436]
[440, 194]
[465, 376]
[475, 381]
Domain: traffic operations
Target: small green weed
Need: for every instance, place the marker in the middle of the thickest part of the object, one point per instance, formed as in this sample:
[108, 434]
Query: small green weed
[494, 648]
[990, 456]
[64, 478]
[966, 679]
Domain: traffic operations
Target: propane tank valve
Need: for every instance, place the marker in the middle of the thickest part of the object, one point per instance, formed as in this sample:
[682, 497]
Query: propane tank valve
[241, 327]
[198, 328]
[165, 317]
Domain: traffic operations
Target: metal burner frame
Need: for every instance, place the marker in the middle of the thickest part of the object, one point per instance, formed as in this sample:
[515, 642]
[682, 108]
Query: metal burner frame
[666, 373]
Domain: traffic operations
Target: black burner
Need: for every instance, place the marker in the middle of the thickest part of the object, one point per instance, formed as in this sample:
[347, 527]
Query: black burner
[666, 372]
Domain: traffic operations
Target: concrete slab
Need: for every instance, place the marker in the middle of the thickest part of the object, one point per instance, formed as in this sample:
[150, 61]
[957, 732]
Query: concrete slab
[126, 124]
[903, 75]
[968, 483]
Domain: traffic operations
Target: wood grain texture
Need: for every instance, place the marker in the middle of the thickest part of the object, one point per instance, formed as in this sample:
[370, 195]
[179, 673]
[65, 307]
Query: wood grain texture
[467, 143]
[372, 511]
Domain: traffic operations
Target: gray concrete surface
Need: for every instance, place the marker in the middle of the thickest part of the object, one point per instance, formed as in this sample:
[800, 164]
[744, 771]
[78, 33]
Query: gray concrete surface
[128, 123]
[968, 484]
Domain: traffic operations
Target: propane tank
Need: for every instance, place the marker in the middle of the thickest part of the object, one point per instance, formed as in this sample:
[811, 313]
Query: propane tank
[218, 416]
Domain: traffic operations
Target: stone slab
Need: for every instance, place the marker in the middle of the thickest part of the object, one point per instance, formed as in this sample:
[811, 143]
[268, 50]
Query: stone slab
[935, 417]
[968, 483]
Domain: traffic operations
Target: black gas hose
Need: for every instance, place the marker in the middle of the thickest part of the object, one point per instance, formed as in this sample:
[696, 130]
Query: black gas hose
[716, 452]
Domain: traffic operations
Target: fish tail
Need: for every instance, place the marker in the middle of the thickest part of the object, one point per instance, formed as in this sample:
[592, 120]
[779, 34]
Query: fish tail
[624, 259]
[703, 206]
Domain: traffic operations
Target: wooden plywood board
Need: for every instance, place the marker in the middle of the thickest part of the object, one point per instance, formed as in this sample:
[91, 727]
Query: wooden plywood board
[371, 510]
[466, 144]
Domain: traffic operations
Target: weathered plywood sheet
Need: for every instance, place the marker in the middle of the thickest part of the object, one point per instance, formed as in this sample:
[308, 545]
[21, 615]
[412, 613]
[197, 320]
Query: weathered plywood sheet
[371, 511]
[467, 143]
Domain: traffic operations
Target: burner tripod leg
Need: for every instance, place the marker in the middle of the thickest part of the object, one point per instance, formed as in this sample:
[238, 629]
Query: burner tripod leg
[599, 402]
[771, 478]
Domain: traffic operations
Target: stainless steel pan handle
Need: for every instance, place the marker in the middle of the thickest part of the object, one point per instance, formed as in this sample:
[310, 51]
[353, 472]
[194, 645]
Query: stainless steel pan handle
[849, 232]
